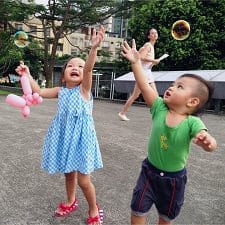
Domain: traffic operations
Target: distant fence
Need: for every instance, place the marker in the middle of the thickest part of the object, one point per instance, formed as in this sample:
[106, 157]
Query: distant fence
[105, 85]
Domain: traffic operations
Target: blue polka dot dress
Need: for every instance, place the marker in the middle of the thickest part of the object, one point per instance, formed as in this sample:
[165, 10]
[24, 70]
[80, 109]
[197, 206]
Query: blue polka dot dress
[71, 143]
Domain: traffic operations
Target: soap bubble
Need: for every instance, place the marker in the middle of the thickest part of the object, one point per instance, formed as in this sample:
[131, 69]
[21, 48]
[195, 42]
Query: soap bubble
[21, 39]
[180, 30]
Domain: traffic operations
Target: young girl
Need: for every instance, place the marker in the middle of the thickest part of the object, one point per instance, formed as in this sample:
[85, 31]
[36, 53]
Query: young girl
[71, 145]
[163, 175]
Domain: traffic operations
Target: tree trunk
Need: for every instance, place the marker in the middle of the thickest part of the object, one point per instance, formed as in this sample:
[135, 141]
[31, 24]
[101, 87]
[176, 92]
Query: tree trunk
[48, 72]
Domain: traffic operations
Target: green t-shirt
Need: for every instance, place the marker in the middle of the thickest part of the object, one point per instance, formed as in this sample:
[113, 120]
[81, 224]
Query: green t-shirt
[168, 147]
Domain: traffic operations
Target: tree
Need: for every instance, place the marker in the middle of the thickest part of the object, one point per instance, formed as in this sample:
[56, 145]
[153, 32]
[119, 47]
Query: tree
[64, 17]
[8, 51]
[10, 54]
[203, 49]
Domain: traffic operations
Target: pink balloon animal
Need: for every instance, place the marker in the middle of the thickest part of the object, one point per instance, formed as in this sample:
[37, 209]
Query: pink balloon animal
[27, 99]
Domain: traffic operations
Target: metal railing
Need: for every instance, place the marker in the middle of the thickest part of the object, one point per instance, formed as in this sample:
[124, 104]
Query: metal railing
[103, 88]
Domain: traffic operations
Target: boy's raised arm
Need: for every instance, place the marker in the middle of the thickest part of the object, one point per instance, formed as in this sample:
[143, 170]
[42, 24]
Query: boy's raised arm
[134, 57]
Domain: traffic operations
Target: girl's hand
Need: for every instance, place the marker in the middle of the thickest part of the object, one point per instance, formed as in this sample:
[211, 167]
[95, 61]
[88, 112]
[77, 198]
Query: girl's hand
[206, 141]
[97, 37]
[130, 53]
[22, 69]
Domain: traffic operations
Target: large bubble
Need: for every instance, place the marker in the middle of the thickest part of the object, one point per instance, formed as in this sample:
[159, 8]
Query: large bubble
[180, 30]
[21, 39]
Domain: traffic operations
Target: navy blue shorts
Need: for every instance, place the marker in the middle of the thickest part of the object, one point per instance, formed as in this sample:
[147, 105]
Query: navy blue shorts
[164, 189]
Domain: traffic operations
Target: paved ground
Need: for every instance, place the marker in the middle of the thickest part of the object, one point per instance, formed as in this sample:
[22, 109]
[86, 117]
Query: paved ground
[28, 196]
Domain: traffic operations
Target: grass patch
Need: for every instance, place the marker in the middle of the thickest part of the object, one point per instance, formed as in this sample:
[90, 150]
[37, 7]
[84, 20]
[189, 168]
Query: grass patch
[3, 92]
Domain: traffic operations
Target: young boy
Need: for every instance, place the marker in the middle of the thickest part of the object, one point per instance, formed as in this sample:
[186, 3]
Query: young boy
[163, 176]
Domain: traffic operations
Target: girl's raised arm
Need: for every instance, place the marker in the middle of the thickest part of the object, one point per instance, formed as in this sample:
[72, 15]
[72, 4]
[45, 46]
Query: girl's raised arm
[96, 40]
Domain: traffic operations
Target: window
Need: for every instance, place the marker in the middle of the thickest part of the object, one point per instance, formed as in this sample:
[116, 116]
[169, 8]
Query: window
[118, 44]
[105, 44]
[81, 44]
[60, 47]
[74, 51]
[48, 32]
[74, 41]
[33, 29]
[19, 26]
[87, 43]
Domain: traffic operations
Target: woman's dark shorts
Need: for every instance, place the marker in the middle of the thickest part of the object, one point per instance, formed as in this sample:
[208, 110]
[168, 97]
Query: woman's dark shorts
[164, 189]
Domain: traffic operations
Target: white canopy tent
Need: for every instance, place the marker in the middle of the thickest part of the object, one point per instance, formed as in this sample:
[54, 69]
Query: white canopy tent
[163, 79]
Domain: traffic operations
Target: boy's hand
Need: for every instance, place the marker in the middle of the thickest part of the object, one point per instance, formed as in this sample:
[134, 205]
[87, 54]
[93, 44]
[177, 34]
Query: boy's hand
[130, 53]
[97, 37]
[205, 140]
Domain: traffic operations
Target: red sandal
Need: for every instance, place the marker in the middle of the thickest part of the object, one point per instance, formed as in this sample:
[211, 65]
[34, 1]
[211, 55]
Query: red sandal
[65, 210]
[98, 218]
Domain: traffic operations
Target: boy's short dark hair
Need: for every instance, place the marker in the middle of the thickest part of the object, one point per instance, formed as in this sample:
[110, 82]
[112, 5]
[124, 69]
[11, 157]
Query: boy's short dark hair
[204, 92]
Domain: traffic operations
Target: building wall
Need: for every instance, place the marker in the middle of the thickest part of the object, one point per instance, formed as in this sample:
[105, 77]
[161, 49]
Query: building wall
[79, 40]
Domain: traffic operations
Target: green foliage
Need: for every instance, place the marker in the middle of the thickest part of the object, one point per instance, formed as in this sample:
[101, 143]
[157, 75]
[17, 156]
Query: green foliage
[10, 54]
[76, 15]
[203, 49]
[65, 17]
[33, 57]
[3, 92]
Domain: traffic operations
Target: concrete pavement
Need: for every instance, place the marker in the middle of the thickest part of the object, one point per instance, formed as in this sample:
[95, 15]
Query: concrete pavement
[29, 196]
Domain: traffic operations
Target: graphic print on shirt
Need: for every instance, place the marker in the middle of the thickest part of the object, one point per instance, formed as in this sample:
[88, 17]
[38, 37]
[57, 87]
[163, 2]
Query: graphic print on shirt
[163, 142]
